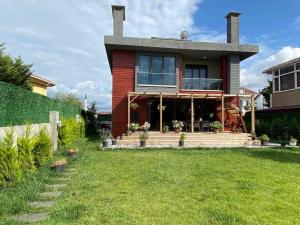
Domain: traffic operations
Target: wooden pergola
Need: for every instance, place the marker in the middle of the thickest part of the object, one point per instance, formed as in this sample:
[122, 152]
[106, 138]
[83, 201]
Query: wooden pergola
[133, 95]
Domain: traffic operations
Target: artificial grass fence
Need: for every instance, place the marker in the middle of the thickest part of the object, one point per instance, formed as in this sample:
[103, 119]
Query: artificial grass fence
[19, 106]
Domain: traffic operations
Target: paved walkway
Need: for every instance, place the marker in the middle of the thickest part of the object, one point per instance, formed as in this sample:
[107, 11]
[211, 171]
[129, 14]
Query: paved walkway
[46, 200]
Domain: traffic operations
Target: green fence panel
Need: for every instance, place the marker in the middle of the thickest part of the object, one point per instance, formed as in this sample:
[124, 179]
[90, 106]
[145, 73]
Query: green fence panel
[19, 106]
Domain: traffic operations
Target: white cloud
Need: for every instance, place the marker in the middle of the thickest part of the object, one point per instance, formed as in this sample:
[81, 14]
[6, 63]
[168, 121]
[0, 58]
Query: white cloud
[251, 73]
[64, 39]
[297, 21]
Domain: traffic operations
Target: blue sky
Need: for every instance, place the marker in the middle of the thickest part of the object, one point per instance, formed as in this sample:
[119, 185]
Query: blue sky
[64, 39]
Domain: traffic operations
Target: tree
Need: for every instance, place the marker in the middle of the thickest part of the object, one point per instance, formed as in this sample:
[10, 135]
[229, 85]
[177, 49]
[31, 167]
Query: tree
[14, 70]
[93, 108]
[68, 98]
[266, 93]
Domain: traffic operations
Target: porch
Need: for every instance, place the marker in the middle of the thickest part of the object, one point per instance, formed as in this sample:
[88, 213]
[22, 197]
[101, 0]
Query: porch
[195, 110]
[203, 139]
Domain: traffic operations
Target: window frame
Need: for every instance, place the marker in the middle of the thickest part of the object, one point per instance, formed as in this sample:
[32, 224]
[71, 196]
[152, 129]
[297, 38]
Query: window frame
[151, 56]
[295, 72]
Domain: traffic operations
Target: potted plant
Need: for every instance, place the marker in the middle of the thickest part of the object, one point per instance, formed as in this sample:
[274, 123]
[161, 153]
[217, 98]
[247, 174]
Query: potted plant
[113, 141]
[134, 105]
[145, 127]
[293, 141]
[59, 165]
[165, 129]
[143, 137]
[133, 127]
[177, 125]
[181, 140]
[73, 152]
[104, 136]
[264, 139]
[216, 126]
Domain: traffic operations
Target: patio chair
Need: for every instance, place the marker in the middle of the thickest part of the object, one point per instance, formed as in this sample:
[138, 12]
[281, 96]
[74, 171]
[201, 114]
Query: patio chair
[205, 126]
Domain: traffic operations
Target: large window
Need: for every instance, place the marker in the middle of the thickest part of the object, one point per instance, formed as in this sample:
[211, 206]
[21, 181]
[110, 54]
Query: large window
[195, 71]
[287, 78]
[157, 70]
[287, 82]
[195, 77]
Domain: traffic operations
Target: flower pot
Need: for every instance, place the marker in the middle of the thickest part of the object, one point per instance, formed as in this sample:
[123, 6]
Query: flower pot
[181, 143]
[129, 133]
[113, 142]
[142, 143]
[264, 143]
[177, 131]
[293, 143]
[105, 143]
[216, 131]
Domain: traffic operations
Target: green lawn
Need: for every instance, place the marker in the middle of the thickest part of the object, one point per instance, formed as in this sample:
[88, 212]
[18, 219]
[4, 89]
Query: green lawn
[235, 186]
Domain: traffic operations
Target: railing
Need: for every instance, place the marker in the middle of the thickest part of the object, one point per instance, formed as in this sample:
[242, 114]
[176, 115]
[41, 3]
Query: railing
[202, 84]
[166, 79]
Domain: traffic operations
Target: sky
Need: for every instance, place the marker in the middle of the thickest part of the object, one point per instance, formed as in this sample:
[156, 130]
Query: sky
[63, 39]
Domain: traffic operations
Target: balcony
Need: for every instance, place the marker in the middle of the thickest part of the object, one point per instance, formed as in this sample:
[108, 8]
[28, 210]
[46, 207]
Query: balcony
[156, 79]
[202, 84]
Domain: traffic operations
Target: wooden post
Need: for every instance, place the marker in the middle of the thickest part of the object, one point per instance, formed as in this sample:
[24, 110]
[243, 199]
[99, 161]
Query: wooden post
[252, 115]
[128, 110]
[192, 113]
[160, 113]
[222, 117]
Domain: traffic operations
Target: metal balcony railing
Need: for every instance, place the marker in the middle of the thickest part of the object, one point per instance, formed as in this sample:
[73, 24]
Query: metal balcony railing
[166, 79]
[202, 84]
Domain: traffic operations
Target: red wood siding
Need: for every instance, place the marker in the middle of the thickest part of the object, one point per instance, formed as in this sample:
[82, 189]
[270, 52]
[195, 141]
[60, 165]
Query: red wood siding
[123, 72]
[224, 73]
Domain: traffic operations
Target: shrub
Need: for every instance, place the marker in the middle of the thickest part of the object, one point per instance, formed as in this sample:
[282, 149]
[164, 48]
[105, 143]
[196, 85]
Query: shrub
[10, 171]
[182, 137]
[216, 125]
[264, 138]
[42, 147]
[25, 146]
[70, 130]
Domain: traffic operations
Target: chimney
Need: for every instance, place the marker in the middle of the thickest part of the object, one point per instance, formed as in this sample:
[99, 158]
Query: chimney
[233, 28]
[118, 12]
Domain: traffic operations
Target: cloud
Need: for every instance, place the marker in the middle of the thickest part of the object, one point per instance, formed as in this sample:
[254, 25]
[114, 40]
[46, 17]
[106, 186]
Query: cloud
[251, 73]
[64, 39]
[297, 21]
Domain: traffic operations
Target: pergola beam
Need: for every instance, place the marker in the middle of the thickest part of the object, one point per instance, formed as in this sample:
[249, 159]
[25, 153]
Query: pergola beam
[160, 112]
[192, 113]
[222, 115]
[128, 109]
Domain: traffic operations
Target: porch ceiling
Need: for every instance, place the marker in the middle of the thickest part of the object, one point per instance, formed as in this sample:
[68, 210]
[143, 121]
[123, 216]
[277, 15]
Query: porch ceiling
[185, 95]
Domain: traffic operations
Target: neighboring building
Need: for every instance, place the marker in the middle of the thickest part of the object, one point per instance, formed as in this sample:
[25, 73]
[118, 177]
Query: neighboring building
[40, 85]
[260, 102]
[104, 120]
[173, 78]
[286, 84]
[245, 104]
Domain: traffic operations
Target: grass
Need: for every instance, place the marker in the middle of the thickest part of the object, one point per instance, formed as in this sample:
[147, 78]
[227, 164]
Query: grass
[196, 186]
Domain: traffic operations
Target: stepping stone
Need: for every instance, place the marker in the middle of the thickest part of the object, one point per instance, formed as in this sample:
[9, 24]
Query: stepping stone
[51, 194]
[56, 186]
[71, 169]
[33, 217]
[45, 204]
[64, 178]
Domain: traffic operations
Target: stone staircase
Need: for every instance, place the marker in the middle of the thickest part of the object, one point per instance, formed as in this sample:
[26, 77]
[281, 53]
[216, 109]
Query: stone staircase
[191, 139]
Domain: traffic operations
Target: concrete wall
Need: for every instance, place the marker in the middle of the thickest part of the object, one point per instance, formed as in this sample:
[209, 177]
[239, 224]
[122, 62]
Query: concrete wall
[286, 99]
[20, 130]
[234, 74]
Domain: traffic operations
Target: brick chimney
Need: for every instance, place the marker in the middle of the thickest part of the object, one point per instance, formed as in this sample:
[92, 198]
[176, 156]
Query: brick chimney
[233, 28]
[118, 12]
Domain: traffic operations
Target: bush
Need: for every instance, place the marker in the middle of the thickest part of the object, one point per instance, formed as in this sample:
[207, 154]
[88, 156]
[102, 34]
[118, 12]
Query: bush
[42, 147]
[10, 171]
[25, 146]
[70, 130]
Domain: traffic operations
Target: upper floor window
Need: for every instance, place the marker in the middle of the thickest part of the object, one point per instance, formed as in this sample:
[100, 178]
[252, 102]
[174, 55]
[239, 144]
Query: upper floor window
[287, 78]
[156, 70]
[195, 71]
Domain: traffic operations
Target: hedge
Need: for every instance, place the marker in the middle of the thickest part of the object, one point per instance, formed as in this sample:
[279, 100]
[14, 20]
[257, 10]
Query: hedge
[278, 125]
[19, 106]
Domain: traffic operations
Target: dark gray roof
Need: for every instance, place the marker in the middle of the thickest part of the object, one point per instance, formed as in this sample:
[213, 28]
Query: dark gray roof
[287, 63]
[185, 47]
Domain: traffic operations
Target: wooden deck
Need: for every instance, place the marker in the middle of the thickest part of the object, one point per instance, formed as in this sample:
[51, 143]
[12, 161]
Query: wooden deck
[205, 139]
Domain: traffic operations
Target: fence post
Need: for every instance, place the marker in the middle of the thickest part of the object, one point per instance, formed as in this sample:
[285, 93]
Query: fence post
[54, 119]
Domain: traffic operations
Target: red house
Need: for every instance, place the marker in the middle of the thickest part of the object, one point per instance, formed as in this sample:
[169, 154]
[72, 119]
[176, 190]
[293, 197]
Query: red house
[163, 79]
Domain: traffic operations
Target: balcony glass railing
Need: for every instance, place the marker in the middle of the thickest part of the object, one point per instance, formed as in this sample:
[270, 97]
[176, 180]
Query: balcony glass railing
[202, 84]
[166, 79]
